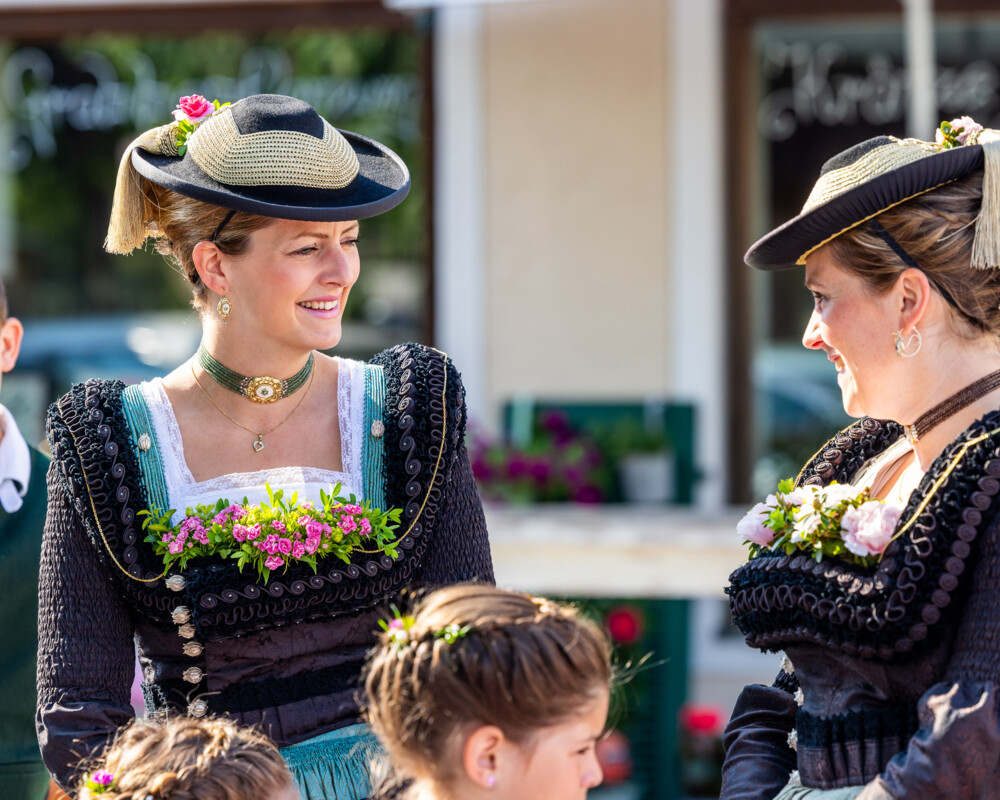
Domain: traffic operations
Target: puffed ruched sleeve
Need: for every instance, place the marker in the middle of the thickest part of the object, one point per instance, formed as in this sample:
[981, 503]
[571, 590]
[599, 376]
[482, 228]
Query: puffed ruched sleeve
[85, 649]
[758, 758]
[956, 752]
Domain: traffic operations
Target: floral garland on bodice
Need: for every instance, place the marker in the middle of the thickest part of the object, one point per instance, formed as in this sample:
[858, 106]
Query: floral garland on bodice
[272, 535]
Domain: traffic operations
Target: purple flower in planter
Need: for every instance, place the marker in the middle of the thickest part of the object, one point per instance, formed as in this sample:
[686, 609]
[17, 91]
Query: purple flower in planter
[480, 469]
[588, 493]
[540, 471]
[517, 466]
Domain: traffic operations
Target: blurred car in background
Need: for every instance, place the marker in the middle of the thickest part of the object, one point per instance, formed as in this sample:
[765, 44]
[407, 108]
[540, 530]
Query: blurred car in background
[797, 407]
[56, 353]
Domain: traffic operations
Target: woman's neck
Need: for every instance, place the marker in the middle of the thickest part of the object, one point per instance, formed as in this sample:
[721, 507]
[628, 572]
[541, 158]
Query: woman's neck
[932, 443]
[941, 374]
[251, 357]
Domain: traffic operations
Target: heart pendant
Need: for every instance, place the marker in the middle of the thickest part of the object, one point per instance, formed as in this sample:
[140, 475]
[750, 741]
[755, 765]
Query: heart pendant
[259, 444]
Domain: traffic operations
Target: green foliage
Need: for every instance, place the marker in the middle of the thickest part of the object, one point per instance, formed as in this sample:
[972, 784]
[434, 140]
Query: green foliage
[369, 81]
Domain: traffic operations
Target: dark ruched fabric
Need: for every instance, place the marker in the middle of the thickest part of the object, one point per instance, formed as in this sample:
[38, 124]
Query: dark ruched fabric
[898, 664]
[286, 656]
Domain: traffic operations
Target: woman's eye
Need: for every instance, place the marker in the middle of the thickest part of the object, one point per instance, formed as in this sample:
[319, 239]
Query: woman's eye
[818, 298]
[350, 242]
[305, 251]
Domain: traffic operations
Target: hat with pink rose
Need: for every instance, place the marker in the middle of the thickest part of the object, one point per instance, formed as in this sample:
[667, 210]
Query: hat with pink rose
[875, 175]
[266, 154]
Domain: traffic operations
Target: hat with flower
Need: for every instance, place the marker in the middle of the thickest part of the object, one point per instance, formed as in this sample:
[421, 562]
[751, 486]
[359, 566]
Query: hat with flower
[266, 154]
[871, 177]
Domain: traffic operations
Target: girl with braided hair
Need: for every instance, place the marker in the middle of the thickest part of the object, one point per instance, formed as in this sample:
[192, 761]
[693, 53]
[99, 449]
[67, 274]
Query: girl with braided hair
[482, 692]
[190, 759]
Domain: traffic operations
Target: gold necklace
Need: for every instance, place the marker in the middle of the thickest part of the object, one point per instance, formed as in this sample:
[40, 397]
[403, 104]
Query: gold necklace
[258, 444]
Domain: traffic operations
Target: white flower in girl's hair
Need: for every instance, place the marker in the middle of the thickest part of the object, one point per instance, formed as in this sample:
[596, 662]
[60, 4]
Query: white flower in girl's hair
[398, 628]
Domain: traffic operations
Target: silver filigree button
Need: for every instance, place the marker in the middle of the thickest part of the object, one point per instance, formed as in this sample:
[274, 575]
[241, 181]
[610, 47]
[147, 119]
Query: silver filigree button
[176, 583]
[145, 442]
[198, 708]
[193, 674]
[186, 631]
[793, 739]
[181, 614]
[786, 665]
[378, 429]
[193, 649]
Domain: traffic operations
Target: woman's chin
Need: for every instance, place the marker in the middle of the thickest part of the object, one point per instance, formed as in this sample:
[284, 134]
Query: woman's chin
[328, 340]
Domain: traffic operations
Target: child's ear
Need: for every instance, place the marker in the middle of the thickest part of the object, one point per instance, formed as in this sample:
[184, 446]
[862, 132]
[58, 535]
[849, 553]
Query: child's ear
[11, 333]
[481, 755]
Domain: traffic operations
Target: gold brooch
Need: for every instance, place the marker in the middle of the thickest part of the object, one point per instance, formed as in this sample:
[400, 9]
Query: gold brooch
[264, 389]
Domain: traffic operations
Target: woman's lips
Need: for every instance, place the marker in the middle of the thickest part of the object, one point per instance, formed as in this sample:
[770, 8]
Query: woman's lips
[324, 307]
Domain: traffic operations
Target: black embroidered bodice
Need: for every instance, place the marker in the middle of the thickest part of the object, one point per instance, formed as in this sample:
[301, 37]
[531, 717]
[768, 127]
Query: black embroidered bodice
[898, 663]
[286, 654]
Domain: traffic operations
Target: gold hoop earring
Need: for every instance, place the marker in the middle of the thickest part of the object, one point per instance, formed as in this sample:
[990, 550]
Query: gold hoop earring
[903, 347]
[225, 308]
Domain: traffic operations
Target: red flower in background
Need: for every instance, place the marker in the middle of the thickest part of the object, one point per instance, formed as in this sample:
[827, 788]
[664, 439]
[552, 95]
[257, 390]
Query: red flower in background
[624, 624]
[701, 719]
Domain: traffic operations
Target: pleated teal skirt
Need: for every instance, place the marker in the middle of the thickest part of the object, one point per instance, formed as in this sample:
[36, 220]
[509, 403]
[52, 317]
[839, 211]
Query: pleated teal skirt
[340, 765]
[794, 790]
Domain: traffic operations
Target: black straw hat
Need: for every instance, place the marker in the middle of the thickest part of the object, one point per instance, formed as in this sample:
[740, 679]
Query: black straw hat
[875, 175]
[266, 154]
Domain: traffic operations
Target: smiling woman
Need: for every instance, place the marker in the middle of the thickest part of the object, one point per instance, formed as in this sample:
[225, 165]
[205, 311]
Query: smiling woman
[889, 618]
[351, 479]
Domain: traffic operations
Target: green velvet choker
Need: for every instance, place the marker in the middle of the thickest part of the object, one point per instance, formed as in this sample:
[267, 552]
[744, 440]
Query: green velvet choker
[264, 389]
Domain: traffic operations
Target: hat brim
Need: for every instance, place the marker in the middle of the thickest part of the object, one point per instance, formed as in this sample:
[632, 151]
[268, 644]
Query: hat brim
[788, 245]
[382, 183]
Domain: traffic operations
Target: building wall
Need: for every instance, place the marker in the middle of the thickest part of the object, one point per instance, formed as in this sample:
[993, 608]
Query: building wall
[576, 175]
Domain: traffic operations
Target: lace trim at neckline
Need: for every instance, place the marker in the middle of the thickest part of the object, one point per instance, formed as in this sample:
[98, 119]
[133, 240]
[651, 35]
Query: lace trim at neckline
[181, 482]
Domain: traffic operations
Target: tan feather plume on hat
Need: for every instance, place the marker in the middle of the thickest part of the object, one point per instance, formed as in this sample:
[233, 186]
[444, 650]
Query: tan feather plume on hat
[127, 228]
[986, 242]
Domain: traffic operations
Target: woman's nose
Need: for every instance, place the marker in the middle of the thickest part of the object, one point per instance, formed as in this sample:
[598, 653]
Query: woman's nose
[339, 267]
[811, 339]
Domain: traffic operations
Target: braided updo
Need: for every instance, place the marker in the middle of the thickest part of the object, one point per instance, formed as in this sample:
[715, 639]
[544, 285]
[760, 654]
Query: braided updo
[524, 663]
[191, 759]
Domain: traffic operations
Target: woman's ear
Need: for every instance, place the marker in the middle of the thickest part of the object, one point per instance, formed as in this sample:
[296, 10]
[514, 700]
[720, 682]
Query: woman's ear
[914, 292]
[481, 755]
[210, 265]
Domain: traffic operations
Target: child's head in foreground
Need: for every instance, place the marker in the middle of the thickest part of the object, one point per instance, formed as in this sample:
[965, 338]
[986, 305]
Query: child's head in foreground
[482, 692]
[190, 759]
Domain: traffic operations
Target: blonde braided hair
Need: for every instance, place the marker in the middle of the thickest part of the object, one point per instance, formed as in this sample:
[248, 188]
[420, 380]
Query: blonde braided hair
[190, 759]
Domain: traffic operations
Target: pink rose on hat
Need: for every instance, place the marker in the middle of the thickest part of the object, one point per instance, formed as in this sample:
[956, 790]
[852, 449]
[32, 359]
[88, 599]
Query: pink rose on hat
[957, 131]
[194, 108]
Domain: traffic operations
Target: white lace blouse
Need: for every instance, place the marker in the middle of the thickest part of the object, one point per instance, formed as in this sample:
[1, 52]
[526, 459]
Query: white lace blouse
[184, 491]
